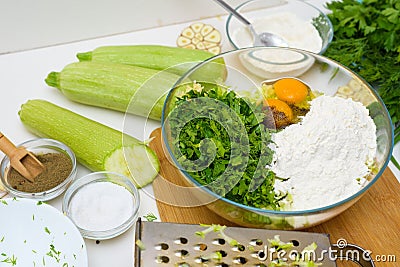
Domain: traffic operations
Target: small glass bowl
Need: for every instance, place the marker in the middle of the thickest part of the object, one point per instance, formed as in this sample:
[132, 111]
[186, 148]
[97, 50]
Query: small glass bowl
[40, 146]
[91, 179]
[254, 10]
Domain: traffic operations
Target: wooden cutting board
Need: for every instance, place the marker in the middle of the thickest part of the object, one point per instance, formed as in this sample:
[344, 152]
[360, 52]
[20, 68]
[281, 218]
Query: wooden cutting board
[372, 223]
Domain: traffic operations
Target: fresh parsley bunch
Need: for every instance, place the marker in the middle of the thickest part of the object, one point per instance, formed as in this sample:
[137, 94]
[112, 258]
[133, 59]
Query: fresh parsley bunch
[367, 40]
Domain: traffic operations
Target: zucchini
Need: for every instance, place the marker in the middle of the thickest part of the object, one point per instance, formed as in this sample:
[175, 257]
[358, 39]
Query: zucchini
[172, 59]
[96, 146]
[120, 87]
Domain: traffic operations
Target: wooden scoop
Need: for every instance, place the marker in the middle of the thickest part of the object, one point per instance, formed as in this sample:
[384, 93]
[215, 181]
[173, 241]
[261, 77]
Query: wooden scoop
[21, 159]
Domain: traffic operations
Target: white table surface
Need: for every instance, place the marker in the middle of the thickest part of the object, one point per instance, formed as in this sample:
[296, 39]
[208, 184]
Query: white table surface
[22, 78]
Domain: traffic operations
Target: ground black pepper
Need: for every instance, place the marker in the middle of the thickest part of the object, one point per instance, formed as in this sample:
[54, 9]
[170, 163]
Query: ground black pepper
[58, 166]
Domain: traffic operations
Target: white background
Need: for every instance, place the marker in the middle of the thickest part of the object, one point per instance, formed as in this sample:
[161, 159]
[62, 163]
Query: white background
[26, 24]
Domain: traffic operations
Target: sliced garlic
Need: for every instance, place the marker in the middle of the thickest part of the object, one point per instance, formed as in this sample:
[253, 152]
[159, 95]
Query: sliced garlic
[200, 36]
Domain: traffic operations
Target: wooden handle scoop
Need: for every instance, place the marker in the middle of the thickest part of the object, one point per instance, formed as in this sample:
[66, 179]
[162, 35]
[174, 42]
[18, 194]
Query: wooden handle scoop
[21, 159]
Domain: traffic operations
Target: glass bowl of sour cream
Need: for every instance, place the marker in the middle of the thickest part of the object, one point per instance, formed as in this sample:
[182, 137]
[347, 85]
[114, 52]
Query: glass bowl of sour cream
[300, 24]
[102, 205]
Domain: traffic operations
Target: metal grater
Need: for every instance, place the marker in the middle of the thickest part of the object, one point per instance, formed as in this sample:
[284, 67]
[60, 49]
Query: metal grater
[171, 244]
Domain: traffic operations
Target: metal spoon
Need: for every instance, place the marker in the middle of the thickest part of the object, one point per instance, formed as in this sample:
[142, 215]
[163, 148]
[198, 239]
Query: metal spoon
[262, 39]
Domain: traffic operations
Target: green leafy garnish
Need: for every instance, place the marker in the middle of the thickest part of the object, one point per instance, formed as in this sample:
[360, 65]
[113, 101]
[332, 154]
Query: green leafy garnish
[53, 253]
[219, 139]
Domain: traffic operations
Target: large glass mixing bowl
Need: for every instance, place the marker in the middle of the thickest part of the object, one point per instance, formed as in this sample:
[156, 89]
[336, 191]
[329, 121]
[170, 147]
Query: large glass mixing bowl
[243, 72]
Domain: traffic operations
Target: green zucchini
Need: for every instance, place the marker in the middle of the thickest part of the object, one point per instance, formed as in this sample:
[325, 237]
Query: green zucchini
[159, 57]
[96, 146]
[120, 87]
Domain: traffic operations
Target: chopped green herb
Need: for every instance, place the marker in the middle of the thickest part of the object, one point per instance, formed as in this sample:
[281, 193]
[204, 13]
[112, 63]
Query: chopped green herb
[53, 253]
[47, 230]
[219, 139]
[4, 202]
[11, 260]
[39, 203]
[2, 239]
[150, 217]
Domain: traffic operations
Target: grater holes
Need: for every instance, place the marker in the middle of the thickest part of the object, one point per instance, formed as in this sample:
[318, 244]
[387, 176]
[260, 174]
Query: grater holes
[162, 259]
[181, 253]
[256, 242]
[201, 260]
[238, 248]
[295, 242]
[240, 260]
[293, 254]
[181, 241]
[261, 254]
[223, 253]
[183, 264]
[200, 247]
[260, 265]
[162, 246]
[222, 264]
[219, 241]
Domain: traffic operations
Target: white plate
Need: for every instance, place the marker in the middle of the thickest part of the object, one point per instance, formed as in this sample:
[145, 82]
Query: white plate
[33, 233]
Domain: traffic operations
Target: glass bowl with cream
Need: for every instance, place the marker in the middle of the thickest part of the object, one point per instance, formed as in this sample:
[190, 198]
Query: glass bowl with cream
[300, 24]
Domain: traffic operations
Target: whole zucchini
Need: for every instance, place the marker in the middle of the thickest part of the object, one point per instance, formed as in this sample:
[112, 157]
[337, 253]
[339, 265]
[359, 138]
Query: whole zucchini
[96, 146]
[159, 57]
[125, 88]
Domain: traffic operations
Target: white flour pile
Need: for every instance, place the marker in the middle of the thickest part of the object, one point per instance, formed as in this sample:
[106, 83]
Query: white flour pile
[325, 155]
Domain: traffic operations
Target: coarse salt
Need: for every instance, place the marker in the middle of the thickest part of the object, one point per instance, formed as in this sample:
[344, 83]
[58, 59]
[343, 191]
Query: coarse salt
[325, 157]
[101, 206]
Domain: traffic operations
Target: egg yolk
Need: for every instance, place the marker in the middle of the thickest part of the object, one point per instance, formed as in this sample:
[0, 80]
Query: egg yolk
[280, 106]
[291, 90]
